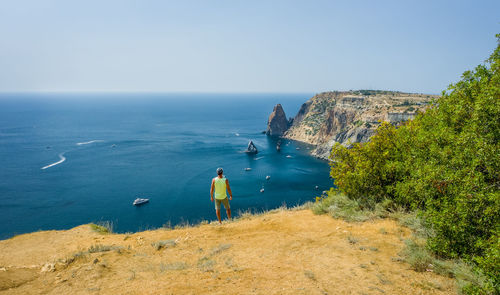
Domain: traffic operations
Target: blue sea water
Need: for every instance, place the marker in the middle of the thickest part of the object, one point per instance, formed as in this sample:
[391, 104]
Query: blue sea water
[101, 151]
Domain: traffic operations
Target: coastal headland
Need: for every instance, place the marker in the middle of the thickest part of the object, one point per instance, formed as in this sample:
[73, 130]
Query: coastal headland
[346, 116]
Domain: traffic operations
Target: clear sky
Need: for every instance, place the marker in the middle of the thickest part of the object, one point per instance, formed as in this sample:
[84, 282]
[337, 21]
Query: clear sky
[242, 46]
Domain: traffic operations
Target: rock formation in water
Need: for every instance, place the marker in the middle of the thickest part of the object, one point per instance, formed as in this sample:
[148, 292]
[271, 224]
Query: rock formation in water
[351, 116]
[277, 123]
[251, 149]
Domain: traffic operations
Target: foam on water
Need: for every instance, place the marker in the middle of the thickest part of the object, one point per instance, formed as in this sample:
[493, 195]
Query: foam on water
[89, 142]
[62, 159]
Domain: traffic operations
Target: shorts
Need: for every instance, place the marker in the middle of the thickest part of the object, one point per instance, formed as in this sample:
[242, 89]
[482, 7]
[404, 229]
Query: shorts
[224, 201]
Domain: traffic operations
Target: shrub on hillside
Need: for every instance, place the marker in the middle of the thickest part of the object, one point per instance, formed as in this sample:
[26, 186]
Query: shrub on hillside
[445, 163]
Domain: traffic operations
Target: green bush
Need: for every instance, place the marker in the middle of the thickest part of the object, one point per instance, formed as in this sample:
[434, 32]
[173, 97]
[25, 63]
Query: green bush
[340, 206]
[103, 227]
[444, 164]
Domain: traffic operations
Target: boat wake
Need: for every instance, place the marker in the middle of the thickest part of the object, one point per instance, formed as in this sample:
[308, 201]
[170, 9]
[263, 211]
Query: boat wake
[62, 159]
[89, 142]
[258, 158]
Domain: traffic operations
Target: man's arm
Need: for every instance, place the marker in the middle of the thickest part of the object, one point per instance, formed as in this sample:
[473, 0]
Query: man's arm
[212, 191]
[229, 190]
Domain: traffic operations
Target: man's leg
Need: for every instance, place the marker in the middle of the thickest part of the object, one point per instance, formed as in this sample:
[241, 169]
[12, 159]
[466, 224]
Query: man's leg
[228, 208]
[217, 211]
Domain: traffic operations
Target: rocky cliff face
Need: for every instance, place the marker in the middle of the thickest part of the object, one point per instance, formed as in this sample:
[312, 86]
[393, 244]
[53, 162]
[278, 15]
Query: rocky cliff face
[351, 116]
[277, 123]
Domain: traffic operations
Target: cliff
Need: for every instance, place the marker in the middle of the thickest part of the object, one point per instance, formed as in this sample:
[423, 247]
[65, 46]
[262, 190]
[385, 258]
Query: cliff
[277, 123]
[351, 116]
[280, 252]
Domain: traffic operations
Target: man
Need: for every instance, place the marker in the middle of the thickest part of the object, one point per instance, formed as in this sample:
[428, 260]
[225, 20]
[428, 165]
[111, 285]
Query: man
[220, 184]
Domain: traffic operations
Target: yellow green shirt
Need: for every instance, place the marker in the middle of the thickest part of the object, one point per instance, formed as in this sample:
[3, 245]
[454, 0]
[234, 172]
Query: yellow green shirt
[220, 188]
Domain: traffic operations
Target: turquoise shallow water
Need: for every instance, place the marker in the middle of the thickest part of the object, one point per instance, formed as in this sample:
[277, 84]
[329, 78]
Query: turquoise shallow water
[101, 151]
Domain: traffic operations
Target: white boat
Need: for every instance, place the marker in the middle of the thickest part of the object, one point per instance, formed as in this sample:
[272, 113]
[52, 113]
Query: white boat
[268, 177]
[140, 201]
[288, 156]
[248, 169]
[262, 190]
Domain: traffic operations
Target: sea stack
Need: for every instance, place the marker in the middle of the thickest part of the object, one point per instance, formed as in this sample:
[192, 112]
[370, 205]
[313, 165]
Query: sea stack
[251, 149]
[277, 123]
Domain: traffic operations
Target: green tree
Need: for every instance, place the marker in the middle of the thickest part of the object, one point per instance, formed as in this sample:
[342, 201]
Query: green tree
[445, 163]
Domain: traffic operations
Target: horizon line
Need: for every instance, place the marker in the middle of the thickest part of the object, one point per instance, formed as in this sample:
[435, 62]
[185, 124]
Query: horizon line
[196, 92]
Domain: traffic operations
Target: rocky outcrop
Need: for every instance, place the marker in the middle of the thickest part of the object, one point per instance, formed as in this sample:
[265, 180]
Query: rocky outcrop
[251, 149]
[304, 109]
[277, 123]
[399, 117]
[351, 116]
[360, 134]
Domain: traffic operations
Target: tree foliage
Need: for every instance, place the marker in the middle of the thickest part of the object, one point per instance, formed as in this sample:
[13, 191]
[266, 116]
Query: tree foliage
[445, 163]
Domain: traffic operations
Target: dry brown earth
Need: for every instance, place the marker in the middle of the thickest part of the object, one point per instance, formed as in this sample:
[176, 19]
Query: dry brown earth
[281, 252]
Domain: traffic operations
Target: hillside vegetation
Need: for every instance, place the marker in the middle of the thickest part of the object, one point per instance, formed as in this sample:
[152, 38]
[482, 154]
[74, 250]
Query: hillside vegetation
[445, 165]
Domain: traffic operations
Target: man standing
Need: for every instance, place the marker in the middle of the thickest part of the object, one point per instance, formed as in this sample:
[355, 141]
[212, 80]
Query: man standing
[220, 184]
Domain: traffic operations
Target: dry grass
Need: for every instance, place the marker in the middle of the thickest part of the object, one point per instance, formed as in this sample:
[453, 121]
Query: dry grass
[103, 227]
[101, 248]
[178, 265]
[219, 249]
[282, 252]
[158, 245]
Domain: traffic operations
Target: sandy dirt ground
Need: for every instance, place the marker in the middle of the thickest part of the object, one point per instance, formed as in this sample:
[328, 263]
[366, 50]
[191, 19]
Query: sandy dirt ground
[281, 252]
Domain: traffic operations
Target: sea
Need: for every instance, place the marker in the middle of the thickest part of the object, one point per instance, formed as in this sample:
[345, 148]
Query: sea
[68, 159]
